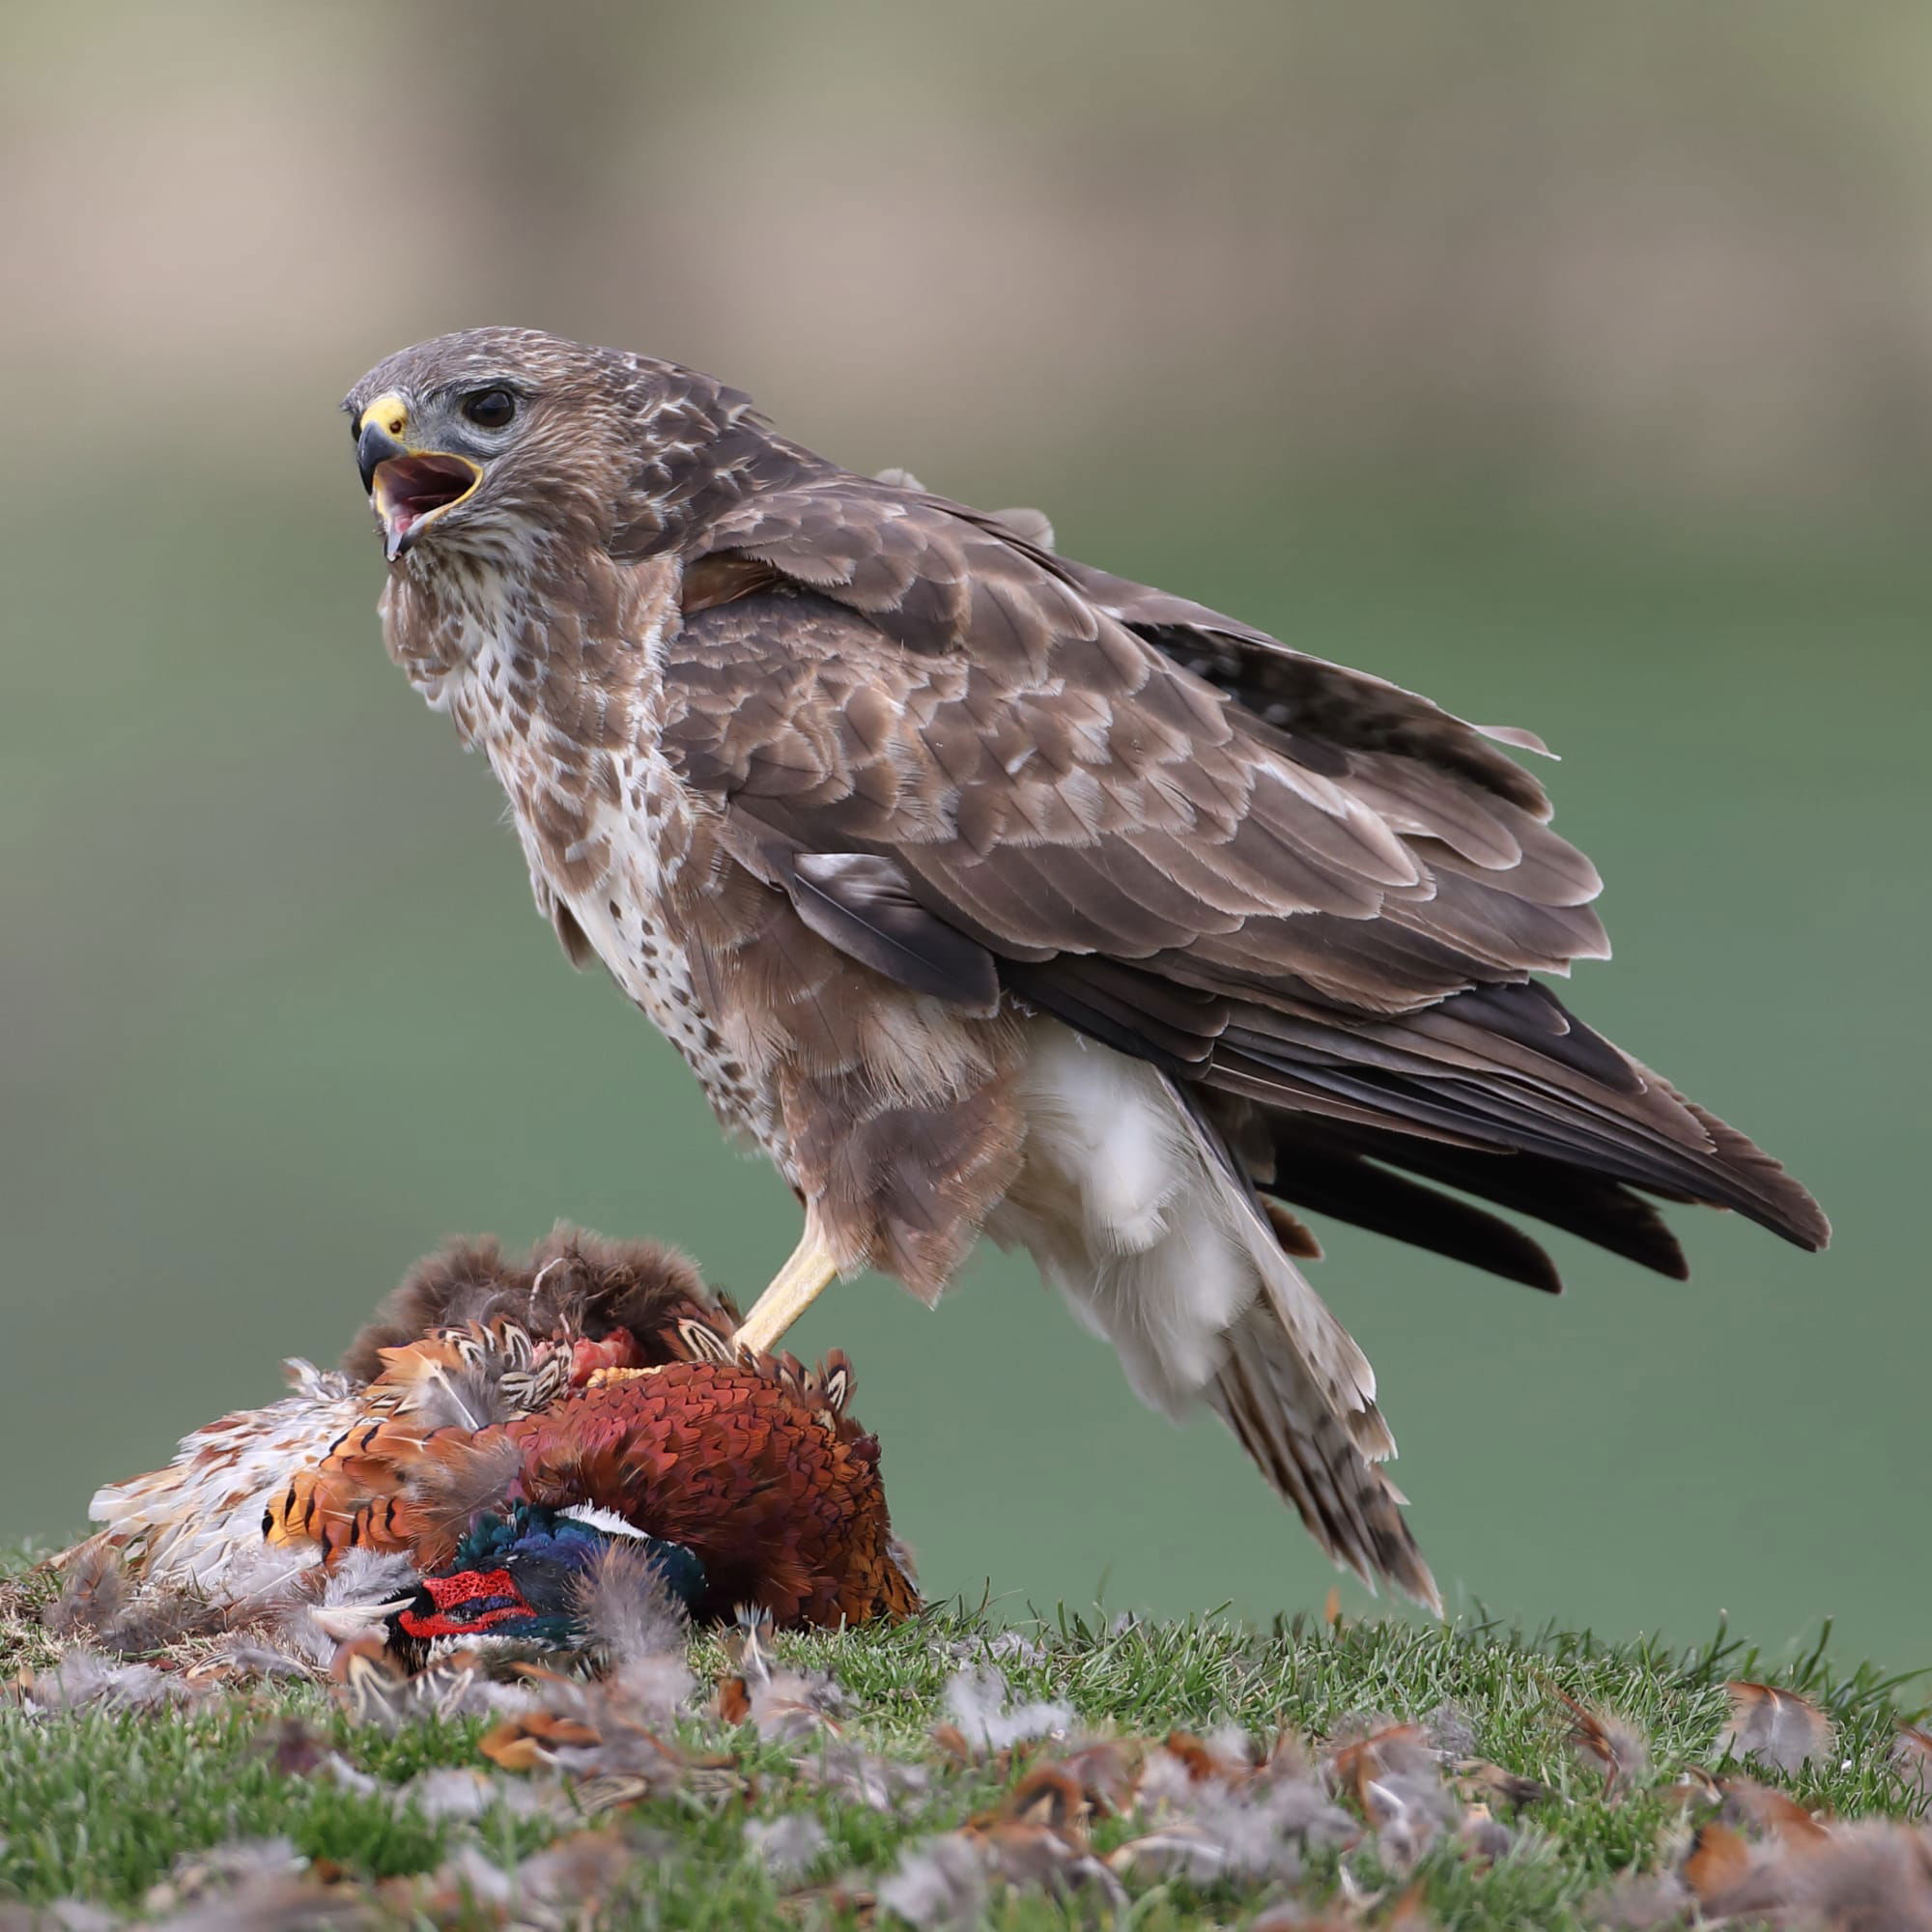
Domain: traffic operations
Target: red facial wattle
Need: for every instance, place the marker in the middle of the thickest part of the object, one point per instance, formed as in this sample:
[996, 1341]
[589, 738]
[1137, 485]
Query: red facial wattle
[466, 1603]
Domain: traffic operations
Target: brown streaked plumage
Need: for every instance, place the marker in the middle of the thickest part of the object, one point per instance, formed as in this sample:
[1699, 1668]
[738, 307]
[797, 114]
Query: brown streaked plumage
[987, 891]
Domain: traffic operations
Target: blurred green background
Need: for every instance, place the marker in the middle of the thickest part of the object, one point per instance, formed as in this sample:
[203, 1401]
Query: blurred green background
[1573, 364]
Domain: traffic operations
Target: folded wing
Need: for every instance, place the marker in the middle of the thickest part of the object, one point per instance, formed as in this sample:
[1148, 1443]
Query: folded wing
[1294, 886]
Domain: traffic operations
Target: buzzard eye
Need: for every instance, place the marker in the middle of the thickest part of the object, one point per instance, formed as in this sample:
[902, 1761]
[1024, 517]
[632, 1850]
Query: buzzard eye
[490, 409]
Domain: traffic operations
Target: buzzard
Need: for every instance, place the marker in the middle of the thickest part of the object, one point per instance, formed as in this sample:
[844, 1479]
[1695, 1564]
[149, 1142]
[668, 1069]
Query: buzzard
[986, 891]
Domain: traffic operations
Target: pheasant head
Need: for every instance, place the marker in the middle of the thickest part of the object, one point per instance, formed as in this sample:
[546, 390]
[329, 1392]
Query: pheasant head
[518, 1581]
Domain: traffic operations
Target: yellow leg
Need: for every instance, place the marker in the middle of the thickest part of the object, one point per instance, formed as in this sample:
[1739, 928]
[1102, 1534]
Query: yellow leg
[810, 1271]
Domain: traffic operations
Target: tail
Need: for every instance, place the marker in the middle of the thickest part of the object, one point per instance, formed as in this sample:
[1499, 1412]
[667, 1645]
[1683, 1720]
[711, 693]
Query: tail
[1299, 1395]
[1265, 1393]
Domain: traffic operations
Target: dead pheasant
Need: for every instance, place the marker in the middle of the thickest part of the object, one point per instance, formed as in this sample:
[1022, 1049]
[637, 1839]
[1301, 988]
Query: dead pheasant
[418, 1423]
[748, 1466]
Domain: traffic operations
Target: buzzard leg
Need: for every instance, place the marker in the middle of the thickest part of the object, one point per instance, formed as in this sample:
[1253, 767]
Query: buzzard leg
[811, 1269]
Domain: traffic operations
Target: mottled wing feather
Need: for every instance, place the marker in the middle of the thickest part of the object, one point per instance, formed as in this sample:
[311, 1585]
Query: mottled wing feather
[1067, 768]
[1318, 703]
[863, 905]
[1063, 784]
[937, 575]
[1074, 813]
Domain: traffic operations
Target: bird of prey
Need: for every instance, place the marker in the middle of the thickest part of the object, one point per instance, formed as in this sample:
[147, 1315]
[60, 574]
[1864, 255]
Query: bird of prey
[989, 892]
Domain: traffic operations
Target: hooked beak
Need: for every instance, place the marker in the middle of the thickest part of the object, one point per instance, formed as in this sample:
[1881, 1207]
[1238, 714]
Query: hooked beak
[409, 487]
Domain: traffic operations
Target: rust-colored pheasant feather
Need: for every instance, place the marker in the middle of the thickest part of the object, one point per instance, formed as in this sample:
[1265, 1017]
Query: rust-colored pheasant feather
[754, 1467]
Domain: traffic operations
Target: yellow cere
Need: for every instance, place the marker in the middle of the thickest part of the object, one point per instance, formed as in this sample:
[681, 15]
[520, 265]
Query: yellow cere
[389, 411]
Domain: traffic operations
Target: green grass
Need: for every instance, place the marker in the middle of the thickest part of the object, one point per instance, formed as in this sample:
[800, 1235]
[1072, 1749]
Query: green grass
[105, 1806]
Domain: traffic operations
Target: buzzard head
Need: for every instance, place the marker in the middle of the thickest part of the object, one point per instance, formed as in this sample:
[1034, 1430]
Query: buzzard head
[496, 443]
[420, 463]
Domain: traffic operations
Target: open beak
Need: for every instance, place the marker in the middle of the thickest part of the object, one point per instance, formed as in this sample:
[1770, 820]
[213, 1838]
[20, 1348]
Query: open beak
[409, 487]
